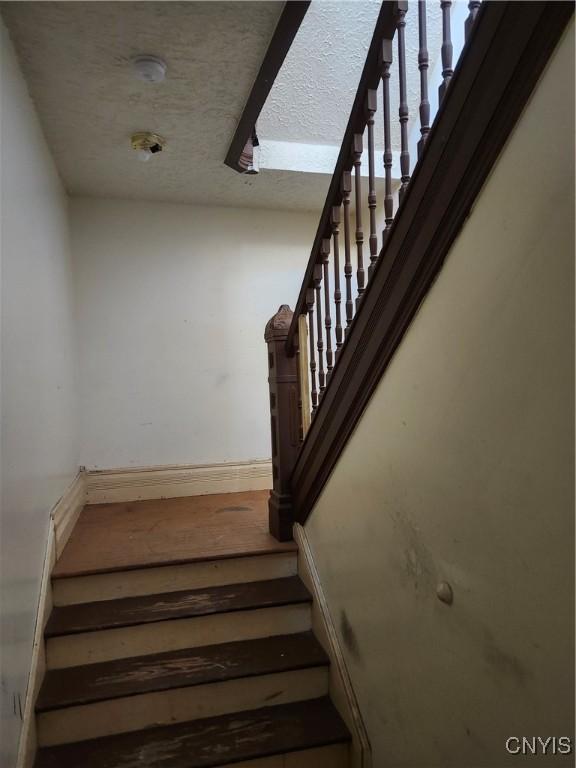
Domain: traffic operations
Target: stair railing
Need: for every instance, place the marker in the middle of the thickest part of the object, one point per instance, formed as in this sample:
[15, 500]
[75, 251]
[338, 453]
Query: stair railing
[354, 305]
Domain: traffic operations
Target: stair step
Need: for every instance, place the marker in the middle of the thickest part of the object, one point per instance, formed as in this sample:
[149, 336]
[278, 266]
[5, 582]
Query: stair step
[75, 686]
[159, 578]
[131, 611]
[98, 700]
[89, 633]
[211, 742]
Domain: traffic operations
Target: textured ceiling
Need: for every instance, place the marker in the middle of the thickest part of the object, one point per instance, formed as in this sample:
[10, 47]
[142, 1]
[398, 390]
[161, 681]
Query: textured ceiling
[76, 59]
[312, 96]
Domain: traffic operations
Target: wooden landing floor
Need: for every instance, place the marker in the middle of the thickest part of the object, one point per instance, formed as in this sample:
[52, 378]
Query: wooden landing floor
[120, 536]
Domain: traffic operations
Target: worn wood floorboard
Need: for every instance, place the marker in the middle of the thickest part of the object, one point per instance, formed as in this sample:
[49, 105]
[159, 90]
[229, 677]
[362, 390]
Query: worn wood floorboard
[178, 669]
[140, 534]
[129, 611]
[208, 743]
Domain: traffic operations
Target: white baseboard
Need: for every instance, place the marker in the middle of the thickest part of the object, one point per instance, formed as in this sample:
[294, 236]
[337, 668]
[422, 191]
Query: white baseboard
[135, 484]
[62, 519]
[66, 512]
[341, 691]
[28, 743]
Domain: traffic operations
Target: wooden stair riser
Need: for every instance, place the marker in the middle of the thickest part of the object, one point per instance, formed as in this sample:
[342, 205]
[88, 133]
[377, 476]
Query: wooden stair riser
[275, 736]
[142, 639]
[135, 713]
[172, 578]
[332, 756]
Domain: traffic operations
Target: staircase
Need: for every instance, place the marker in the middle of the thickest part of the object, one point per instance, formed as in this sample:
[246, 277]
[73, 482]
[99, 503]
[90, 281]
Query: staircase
[210, 662]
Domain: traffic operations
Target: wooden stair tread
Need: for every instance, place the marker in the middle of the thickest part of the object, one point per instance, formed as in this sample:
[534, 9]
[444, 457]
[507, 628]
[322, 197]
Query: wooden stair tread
[210, 742]
[61, 572]
[75, 686]
[130, 611]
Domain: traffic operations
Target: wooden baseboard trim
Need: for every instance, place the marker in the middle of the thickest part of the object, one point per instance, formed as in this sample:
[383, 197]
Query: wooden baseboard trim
[28, 740]
[165, 482]
[341, 690]
[66, 512]
[62, 520]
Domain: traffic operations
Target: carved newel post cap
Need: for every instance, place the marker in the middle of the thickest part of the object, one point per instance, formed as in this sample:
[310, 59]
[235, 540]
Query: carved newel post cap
[278, 326]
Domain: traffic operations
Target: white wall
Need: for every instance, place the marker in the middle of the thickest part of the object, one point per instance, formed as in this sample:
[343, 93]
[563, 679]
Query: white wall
[462, 469]
[173, 300]
[38, 400]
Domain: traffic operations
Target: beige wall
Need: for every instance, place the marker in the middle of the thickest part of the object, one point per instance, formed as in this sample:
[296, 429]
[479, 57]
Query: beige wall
[172, 305]
[38, 405]
[462, 470]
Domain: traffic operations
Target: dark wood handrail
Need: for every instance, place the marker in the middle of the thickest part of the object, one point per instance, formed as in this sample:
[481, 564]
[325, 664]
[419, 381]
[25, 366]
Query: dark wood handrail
[384, 29]
[505, 55]
[508, 44]
[284, 34]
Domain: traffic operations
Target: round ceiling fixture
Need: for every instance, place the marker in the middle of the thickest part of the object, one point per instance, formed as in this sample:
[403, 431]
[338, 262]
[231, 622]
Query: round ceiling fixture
[151, 69]
[147, 144]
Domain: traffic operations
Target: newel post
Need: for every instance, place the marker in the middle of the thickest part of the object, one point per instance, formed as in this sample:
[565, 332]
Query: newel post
[283, 384]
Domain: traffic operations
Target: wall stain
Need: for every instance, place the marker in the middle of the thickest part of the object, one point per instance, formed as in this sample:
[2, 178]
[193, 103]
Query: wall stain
[503, 663]
[349, 636]
[419, 566]
[221, 379]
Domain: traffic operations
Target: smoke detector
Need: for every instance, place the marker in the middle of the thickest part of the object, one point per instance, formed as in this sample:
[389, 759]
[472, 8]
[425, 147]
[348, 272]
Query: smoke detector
[151, 69]
[147, 144]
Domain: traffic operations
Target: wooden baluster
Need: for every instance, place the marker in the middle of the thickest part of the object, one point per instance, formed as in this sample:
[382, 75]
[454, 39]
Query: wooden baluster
[346, 189]
[473, 7]
[303, 377]
[423, 61]
[403, 106]
[371, 106]
[325, 251]
[317, 279]
[310, 308]
[388, 197]
[357, 159]
[335, 223]
[298, 364]
[447, 70]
